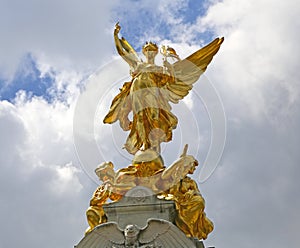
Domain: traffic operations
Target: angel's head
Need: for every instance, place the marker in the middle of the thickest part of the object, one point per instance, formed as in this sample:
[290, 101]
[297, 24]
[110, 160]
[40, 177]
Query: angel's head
[150, 50]
[105, 171]
[193, 167]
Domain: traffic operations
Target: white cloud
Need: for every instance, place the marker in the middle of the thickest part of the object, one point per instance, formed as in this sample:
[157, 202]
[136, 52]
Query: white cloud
[40, 176]
[66, 34]
[47, 126]
[65, 180]
[169, 11]
[257, 59]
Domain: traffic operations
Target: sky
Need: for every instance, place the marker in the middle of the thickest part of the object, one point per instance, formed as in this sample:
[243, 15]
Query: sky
[53, 52]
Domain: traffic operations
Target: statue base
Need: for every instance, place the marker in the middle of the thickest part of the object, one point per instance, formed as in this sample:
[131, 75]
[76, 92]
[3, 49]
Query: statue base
[137, 206]
[141, 220]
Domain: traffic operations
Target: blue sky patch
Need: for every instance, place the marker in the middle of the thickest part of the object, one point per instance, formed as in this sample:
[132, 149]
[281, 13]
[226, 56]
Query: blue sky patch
[139, 21]
[194, 10]
[27, 78]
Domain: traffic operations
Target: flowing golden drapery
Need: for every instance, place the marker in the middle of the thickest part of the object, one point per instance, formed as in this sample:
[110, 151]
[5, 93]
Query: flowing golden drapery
[151, 89]
[191, 218]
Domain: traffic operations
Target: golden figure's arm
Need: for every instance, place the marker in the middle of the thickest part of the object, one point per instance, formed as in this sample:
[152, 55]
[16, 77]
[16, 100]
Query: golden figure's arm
[100, 196]
[180, 168]
[124, 49]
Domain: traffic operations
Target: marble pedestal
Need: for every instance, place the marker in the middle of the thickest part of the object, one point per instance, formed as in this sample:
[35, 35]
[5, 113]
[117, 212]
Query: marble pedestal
[141, 220]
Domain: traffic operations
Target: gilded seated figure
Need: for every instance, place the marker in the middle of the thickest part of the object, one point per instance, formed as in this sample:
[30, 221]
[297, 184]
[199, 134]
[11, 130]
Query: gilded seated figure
[190, 204]
[95, 213]
[191, 218]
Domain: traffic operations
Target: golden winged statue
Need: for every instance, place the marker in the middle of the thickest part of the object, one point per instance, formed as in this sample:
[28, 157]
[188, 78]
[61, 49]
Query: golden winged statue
[152, 88]
[148, 96]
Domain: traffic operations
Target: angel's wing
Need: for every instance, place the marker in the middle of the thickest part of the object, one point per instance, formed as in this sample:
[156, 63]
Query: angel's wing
[103, 236]
[189, 70]
[120, 108]
[164, 233]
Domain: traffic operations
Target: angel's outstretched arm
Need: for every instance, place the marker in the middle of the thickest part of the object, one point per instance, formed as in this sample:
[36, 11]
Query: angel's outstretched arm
[124, 49]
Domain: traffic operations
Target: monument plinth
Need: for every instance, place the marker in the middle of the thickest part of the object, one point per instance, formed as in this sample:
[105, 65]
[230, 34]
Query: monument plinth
[139, 220]
[151, 205]
[137, 206]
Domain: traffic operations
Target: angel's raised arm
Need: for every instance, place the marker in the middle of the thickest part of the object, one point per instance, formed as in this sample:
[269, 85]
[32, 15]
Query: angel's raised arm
[124, 49]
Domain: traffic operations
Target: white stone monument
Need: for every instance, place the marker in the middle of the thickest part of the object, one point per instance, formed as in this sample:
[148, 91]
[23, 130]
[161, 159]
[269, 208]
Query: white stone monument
[139, 220]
